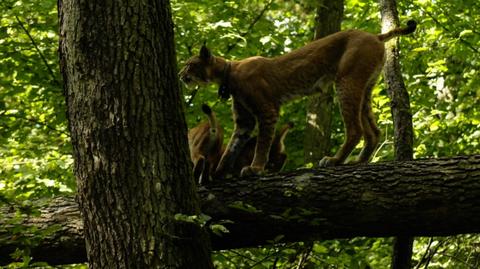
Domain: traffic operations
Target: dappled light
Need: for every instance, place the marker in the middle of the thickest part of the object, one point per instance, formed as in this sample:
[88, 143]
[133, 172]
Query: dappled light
[440, 65]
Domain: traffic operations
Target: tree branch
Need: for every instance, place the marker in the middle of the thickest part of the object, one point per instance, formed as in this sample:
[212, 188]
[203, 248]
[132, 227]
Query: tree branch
[42, 56]
[432, 197]
[250, 26]
[468, 44]
[35, 121]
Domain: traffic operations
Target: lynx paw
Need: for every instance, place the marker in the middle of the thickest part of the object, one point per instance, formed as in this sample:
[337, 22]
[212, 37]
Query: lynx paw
[250, 171]
[328, 161]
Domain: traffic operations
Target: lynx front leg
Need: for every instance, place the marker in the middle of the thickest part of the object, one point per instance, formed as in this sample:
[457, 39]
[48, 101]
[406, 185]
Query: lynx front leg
[266, 131]
[244, 125]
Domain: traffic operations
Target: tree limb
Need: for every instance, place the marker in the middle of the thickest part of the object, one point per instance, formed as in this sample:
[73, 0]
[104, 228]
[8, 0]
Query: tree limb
[431, 197]
[33, 120]
[445, 28]
[250, 26]
[40, 53]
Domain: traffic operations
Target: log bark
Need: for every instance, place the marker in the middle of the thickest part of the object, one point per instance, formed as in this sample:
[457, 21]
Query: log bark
[431, 197]
[64, 245]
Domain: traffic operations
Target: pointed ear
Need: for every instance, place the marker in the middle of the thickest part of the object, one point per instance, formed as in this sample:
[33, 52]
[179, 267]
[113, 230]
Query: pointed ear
[205, 53]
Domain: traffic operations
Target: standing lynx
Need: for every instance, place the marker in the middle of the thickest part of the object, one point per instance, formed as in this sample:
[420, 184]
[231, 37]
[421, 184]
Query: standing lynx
[351, 59]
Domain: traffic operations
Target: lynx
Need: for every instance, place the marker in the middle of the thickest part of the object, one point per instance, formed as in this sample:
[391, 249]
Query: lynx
[351, 59]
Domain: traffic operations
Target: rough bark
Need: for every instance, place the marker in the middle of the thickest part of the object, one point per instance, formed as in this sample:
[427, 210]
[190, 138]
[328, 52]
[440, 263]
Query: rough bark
[65, 243]
[399, 99]
[432, 197]
[328, 19]
[129, 135]
[402, 118]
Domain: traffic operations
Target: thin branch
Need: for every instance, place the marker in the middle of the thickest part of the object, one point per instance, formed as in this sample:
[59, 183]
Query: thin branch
[250, 27]
[241, 255]
[50, 70]
[274, 266]
[270, 255]
[433, 252]
[468, 44]
[192, 96]
[384, 143]
[227, 258]
[460, 261]
[424, 256]
[35, 122]
[305, 254]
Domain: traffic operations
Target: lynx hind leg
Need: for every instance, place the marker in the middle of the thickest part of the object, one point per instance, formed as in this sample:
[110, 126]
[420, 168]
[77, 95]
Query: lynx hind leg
[371, 133]
[350, 98]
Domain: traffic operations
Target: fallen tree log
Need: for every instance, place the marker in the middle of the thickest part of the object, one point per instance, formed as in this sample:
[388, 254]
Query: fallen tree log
[431, 197]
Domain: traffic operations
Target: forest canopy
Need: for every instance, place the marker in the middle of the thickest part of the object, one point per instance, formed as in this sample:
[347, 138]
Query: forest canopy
[440, 64]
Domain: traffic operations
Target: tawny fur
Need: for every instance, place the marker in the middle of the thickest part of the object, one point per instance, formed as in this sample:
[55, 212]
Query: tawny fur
[351, 59]
[206, 146]
[276, 157]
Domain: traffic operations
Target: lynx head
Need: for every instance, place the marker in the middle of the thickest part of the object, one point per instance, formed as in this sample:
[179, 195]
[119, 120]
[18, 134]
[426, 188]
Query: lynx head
[198, 69]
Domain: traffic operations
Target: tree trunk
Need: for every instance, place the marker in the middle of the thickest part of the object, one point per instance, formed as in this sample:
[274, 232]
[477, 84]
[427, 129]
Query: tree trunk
[129, 135]
[433, 197]
[319, 108]
[402, 118]
[400, 102]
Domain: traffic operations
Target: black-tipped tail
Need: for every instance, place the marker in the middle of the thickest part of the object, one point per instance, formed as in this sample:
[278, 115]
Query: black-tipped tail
[411, 26]
[212, 119]
[206, 109]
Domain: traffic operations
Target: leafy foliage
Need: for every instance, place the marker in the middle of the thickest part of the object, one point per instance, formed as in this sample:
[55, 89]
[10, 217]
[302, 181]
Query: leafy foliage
[35, 152]
[440, 65]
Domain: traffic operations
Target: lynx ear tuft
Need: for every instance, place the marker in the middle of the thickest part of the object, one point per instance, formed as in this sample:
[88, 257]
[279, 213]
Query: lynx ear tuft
[205, 53]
